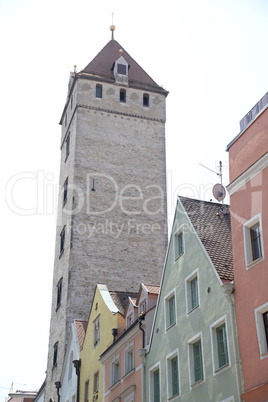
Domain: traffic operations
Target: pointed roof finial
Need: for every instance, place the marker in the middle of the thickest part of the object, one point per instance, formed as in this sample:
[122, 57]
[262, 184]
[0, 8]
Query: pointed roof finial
[112, 27]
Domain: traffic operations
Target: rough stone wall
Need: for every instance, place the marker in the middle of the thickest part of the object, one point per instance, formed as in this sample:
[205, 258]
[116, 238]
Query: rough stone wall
[116, 234]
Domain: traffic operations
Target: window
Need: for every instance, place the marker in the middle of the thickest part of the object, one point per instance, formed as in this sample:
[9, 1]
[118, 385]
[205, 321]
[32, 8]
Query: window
[65, 120]
[219, 344]
[121, 69]
[129, 320]
[87, 391]
[67, 146]
[71, 102]
[146, 100]
[172, 375]
[156, 386]
[96, 329]
[55, 353]
[253, 246]
[98, 91]
[129, 358]
[59, 292]
[115, 371]
[70, 371]
[122, 95]
[96, 386]
[192, 291]
[170, 309]
[178, 243]
[143, 307]
[261, 319]
[196, 369]
[65, 191]
[62, 240]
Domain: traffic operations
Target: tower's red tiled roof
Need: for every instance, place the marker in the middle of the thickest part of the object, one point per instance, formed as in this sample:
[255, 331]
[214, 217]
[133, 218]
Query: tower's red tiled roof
[214, 230]
[102, 66]
[81, 327]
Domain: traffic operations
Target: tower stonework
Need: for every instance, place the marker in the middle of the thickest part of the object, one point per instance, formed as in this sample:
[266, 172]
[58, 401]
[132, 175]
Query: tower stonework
[112, 213]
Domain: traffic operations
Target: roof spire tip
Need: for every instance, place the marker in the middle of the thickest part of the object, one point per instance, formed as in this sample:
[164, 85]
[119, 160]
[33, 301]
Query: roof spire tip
[112, 28]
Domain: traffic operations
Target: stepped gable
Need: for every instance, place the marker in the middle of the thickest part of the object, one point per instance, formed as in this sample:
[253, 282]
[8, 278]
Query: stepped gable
[81, 327]
[120, 299]
[102, 66]
[214, 230]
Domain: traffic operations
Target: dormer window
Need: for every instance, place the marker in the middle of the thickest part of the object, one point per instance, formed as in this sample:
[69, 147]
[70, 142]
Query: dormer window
[121, 69]
[123, 95]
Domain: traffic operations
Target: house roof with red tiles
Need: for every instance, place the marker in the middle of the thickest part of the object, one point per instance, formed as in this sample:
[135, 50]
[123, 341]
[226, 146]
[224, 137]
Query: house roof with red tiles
[154, 289]
[120, 299]
[212, 224]
[102, 66]
[81, 327]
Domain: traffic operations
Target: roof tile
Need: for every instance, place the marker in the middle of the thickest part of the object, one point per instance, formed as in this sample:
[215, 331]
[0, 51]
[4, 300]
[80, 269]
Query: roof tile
[213, 227]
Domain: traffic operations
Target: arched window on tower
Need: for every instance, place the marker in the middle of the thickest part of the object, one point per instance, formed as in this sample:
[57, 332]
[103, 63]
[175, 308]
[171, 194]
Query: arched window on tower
[146, 100]
[98, 91]
[122, 95]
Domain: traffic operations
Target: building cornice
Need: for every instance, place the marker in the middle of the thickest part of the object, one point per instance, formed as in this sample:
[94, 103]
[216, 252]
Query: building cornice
[248, 175]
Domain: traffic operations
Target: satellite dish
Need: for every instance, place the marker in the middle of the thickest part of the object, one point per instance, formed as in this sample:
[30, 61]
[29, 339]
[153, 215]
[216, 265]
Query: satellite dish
[219, 192]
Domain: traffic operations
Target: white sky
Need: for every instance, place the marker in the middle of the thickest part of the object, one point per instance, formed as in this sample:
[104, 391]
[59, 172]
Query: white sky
[212, 57]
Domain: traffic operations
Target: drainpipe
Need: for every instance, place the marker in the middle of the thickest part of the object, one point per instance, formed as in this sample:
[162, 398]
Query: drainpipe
[58, 385]
[77, 365]
[228, 289]
[142, 353]
[142, 318]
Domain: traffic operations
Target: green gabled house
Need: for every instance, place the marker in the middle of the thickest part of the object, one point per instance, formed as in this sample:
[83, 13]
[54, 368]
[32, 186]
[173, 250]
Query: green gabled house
[193, 353]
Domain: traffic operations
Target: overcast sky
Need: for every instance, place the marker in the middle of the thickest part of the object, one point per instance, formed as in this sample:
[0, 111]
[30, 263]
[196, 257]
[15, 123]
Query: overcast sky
[211, 55]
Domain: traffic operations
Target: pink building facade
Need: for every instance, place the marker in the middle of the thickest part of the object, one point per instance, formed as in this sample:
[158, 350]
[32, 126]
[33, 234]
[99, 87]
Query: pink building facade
[122, 364]
[248, 190]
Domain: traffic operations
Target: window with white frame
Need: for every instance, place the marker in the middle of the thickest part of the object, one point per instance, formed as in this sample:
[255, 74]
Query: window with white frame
[96, 331]
[115, 371]
[86, 399]
[195, 356]
[261, 319]
[96, 386]
[192, 291]
[129, 358]
[154, 378]
[219, 345]
[172, 363]
[253, 244]
[178, 241]
[170, 309]
[129, 320]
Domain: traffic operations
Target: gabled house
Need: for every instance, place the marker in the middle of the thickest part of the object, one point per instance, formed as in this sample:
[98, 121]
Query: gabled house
[68, 385]
[193, 353]
[122, 368]
[248, 190]
[106, 319]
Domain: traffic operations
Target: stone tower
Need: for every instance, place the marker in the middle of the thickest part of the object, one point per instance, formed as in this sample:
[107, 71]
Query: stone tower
[112, 218]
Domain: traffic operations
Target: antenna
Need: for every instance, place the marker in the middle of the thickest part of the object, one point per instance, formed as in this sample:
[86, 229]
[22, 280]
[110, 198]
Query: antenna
[218, 190]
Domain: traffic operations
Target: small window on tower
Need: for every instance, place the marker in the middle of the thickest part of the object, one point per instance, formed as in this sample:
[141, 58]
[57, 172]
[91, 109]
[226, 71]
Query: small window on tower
[122, 95]
[65, 191]
[98, 91]
[67, 146]
[59, 292]
[146, 100]
[62, 241]
[55, 353]
[121, 69]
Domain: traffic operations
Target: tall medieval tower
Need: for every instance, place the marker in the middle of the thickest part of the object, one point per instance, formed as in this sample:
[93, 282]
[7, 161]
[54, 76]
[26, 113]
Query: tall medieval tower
[112, 218]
